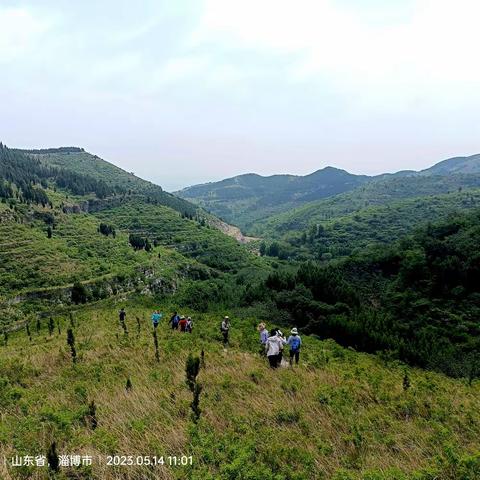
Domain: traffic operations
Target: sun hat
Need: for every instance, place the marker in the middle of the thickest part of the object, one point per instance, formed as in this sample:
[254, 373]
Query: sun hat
[294, 331]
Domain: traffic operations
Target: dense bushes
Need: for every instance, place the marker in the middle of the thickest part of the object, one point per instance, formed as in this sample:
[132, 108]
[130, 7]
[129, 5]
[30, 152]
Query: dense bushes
[419, 298]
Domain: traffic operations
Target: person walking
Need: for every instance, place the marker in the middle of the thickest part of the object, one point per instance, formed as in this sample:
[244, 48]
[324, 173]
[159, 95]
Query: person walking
[156, 317]
[174, 320]
[282, 342]
[295, 342]
[225, 329]
[272, 348]
[122, 315]
[182, 324]
[189, 326]
[263, 337]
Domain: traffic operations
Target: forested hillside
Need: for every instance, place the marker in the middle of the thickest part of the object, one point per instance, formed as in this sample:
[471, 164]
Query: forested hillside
[246, 199]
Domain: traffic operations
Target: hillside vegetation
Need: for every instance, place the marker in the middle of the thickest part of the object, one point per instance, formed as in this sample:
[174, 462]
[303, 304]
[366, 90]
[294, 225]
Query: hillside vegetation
[339, 415]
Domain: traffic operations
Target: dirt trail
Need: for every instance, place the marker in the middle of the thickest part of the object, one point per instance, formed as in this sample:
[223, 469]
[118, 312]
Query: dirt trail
[233, 231]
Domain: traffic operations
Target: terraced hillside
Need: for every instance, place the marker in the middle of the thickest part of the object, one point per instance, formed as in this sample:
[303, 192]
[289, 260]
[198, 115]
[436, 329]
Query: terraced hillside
[338, 415]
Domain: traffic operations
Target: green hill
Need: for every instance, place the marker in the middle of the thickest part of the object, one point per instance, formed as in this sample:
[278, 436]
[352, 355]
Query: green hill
[246, 199]
[76, 160]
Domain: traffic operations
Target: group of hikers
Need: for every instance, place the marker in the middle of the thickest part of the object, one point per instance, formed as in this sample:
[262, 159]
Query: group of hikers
[272, 343]
[180, 322]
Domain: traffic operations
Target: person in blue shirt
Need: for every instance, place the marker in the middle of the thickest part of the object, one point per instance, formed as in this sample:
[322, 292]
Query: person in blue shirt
[174, 320]
[294, 342]
[156, 317]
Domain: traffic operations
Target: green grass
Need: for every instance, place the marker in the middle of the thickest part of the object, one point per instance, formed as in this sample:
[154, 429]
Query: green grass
[339, 415]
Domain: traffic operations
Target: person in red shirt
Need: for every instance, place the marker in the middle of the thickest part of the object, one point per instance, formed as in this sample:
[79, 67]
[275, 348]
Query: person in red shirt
[183, 324]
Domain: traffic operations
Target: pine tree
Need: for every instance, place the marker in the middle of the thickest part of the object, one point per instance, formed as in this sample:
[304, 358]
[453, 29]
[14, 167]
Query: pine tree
[192, 368]
[195, 405]
[51, 326]
[92, 415]
[71, 343]
[52, 458]
[27, 328]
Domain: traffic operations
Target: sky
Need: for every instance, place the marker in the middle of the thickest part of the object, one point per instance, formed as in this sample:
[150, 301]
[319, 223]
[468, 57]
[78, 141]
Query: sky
[184, 92]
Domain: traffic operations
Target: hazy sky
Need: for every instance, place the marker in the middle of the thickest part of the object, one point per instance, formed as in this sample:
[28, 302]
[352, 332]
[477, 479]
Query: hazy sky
[183, 92]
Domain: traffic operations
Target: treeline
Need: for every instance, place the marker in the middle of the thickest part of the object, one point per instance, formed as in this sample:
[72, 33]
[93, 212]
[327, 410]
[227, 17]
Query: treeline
[25, 178]
[41, 151]
[418, 299]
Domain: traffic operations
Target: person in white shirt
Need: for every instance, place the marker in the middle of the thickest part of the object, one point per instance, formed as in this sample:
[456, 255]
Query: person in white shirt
[273, 348]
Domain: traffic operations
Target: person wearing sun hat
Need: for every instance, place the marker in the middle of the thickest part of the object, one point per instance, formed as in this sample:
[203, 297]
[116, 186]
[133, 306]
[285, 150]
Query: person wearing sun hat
[263, 337]
[294, 342]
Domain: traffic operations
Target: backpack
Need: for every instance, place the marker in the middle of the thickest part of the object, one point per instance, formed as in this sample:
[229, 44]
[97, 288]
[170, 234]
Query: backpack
[295, 343]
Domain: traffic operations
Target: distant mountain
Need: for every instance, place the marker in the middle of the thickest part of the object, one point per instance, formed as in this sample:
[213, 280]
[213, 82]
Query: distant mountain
[252, 201]
[247, 198]
[455, 165]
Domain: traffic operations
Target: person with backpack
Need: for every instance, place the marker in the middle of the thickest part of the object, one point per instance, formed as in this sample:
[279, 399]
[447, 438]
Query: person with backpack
[295, 342]
[225, 329]
[182, 324]
[174, 320]
[156, 317]
[272, 348]
[189, 326]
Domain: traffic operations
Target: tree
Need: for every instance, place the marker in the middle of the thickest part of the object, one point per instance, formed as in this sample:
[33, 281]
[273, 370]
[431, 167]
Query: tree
[71, 344]
[192, 368]
[79, 293]
[52, 458]
[148, 245]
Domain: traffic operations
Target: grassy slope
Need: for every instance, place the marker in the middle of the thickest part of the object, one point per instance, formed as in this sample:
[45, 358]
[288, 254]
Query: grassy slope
[340, 415]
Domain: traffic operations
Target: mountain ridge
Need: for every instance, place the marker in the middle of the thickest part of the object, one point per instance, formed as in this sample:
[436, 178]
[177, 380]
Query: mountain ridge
[249, 199]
